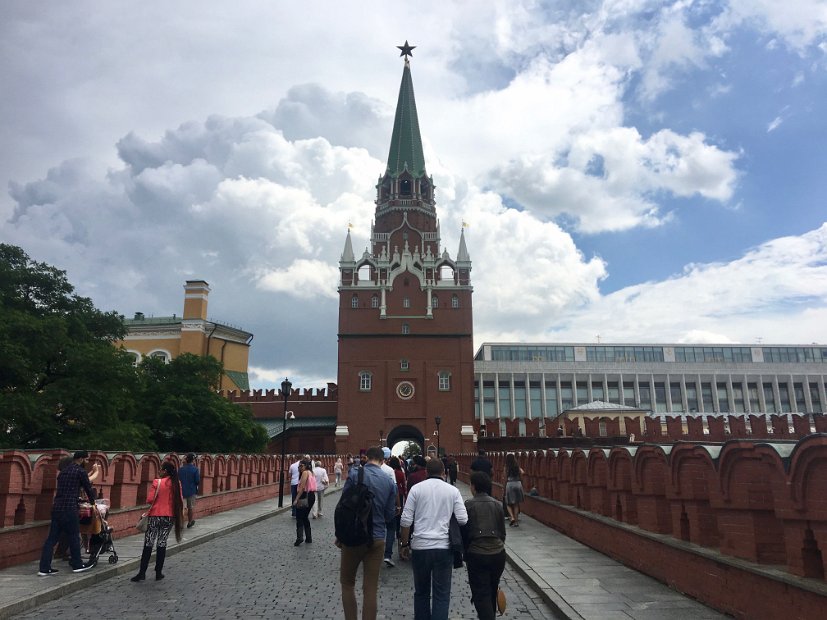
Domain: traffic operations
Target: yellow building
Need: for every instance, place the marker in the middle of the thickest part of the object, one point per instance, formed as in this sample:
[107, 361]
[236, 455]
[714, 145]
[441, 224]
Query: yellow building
[170, 336]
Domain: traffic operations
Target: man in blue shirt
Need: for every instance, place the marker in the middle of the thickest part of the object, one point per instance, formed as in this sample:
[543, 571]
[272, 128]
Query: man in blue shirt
[190, 478]
[384, 511]
[65, 515]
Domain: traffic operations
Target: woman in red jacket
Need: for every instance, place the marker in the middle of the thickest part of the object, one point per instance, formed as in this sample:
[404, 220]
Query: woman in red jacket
[166, 512]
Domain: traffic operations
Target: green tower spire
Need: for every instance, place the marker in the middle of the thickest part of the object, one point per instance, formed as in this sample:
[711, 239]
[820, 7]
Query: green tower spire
[406, 143]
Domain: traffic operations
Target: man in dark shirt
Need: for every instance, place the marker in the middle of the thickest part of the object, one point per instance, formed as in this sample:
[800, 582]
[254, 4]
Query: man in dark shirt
[482, 464]
[417, 473]
[190, 478]
[65, 515]
[370, 555]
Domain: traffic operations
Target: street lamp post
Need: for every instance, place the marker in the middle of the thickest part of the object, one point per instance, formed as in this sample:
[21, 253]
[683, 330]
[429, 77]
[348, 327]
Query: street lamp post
[285, 390]
[438, 421]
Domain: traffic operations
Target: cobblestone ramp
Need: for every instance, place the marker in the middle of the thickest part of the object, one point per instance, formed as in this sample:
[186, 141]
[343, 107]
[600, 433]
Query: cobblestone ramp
[256, 572]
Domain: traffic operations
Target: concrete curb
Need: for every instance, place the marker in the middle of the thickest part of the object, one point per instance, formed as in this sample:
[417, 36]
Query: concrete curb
[104, 571]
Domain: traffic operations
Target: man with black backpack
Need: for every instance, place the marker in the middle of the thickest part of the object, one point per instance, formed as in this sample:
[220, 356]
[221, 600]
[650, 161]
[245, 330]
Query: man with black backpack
[367, 503]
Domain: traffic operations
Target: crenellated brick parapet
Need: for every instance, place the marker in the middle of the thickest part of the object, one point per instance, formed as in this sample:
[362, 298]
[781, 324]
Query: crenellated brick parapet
[304, 402]
[27, 486]
[653, 427]
[694, 514]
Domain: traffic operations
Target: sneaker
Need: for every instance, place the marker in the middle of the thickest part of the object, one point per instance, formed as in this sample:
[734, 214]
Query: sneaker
[47, 573]
[190, 524]
[389, 563]
[84, 567]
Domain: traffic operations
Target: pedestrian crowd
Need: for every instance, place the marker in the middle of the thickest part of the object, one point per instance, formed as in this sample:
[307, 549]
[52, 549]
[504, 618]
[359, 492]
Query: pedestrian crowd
[415, 505]
[386, 501]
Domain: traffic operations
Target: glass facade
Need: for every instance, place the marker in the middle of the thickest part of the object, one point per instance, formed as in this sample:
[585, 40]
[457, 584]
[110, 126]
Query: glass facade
[624, 354]
[804, 355]
[504, 353]
[717, 355]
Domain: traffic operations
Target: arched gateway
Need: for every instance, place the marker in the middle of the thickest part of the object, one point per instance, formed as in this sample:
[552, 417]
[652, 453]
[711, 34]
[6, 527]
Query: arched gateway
[405, 432]
[406, 354]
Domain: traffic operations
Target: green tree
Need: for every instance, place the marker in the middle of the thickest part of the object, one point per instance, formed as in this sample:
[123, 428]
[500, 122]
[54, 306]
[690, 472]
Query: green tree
[411, 450]
[186, 413]
[62, 383]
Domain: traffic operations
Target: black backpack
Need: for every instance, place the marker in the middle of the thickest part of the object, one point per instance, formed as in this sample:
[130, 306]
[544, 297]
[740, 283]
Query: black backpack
[353, 518]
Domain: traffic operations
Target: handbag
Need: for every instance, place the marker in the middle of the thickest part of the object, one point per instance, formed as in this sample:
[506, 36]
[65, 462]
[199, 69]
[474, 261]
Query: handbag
[500, 601]
[85, 513]
[303, 501]
[455, 541]
[143, 523]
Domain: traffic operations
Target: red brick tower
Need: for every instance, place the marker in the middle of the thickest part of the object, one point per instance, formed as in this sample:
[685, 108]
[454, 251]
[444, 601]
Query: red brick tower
[405, 324]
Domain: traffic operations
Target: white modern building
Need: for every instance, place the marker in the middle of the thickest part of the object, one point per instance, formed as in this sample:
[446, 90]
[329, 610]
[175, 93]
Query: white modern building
[527, 381]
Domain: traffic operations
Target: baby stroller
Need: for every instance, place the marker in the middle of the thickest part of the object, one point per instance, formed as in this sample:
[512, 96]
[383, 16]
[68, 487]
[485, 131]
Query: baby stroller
[93, 522]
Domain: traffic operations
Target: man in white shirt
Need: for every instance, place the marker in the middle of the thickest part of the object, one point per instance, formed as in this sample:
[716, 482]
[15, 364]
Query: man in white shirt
[390, 527]
[386, 453]
[294, 483]
[429, 508]
[321, 484]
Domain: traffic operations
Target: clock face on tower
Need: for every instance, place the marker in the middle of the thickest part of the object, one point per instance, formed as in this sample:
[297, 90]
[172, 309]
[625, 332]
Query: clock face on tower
[405, 390]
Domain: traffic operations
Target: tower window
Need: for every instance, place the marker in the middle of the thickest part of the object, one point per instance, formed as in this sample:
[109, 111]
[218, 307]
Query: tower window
[354, 301]
[404, 365]
[374, 301]
[405, 187]
[455, 302]
[406, 329]
[365, 381]
[434, 302]
[406, 302]
[444, 381]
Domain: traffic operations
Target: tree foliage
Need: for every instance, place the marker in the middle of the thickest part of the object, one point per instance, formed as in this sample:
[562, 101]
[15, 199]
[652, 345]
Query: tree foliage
[411, 449]
[64, 384]
[186, 413]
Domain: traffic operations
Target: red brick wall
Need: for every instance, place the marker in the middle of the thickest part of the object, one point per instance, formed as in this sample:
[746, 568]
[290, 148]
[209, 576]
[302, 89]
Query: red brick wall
[27, 484]
[742, 503]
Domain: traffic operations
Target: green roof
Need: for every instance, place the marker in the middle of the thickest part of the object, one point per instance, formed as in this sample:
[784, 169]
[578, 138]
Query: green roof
[239, 378]
[406, 142]
[153, 320]
[274, 426]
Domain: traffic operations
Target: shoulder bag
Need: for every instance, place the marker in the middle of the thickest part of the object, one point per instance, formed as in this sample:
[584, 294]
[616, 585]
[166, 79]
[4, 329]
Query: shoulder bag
[143, 522]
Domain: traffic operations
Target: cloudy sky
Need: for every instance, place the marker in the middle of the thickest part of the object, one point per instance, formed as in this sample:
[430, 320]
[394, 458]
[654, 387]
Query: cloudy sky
[630, 170]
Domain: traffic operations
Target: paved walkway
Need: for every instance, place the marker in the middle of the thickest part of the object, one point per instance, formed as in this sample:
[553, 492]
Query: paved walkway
[251, 569]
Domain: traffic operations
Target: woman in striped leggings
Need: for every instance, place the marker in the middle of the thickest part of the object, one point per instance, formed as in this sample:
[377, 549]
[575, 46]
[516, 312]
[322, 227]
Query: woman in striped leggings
[165, 513]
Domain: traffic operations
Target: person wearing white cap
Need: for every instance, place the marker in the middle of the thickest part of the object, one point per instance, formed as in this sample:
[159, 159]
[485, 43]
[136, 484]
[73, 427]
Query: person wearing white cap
[390, 527]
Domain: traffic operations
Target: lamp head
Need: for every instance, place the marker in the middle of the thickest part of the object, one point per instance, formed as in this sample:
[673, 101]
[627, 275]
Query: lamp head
[438, 420]
[285, 386]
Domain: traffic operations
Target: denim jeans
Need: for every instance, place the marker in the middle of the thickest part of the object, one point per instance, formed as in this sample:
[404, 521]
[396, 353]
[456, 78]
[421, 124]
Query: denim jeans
[63, 522]
[390, 534]
[432, 567]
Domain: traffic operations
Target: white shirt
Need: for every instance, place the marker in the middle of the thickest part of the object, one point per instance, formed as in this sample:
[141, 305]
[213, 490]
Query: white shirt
[321, 478]
[389, 470]
[294, 473]
[429, 508]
